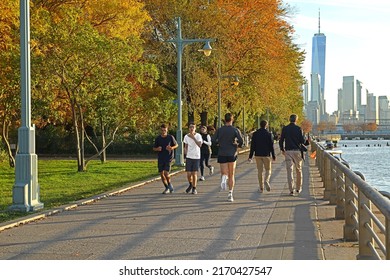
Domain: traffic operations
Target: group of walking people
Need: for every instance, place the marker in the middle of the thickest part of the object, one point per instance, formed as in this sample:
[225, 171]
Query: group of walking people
[197, 151]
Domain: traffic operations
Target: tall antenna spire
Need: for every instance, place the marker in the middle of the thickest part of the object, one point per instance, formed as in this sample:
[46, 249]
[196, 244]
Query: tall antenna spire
[319, 20]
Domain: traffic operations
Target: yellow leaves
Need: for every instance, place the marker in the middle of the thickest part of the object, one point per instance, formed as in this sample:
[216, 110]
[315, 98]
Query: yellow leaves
[202, 90]
[9, 16]
[117, 18]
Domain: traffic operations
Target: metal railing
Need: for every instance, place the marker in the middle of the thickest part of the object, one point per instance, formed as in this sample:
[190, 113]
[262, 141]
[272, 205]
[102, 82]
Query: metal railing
[366, 211]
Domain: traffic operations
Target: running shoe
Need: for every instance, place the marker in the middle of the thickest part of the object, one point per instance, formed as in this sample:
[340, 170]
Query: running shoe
[211, 170]
[166, 191]
[230, 197]
[189, 188]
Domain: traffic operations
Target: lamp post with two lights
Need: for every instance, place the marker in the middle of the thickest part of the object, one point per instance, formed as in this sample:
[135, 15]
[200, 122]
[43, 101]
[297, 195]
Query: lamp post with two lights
[180, 44]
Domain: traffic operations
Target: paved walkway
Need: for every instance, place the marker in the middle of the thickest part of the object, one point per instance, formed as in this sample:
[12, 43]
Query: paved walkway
[141, 223]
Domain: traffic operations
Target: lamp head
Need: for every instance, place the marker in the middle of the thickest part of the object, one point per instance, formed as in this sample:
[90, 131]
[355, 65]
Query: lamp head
[235, 81]
[206, 49]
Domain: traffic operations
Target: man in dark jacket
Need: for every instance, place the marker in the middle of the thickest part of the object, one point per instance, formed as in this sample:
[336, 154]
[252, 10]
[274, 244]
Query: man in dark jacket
[290, 143]
[262, 146]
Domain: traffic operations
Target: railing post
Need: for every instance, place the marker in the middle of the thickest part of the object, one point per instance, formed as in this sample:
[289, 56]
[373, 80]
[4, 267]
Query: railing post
[350, 225]
[340, 195]
[387, 239]
[333, 184]
[319, 161]
[327, 178]
[364, 235]
[317, 158]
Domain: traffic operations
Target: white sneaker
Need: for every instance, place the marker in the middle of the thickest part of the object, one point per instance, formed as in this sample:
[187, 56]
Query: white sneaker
[230, 197]
[201, 178]
[211, 170]
[224, 183]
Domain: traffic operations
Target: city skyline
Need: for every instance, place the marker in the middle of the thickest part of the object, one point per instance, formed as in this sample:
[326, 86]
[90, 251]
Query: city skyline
[354, 42]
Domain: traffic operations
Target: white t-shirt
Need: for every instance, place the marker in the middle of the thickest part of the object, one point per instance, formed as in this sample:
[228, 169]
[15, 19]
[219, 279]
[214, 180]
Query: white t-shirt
[193, 150]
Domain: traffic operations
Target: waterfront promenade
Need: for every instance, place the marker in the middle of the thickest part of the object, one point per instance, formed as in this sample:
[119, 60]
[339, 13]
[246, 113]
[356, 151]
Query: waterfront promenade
[141, 223]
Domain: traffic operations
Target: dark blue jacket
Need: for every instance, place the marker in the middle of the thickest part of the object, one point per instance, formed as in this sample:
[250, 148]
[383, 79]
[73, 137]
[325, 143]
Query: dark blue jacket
[262, 144]
[291, 138]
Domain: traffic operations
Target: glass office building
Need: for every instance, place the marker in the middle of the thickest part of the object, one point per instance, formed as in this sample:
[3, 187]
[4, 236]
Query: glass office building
[318, 59]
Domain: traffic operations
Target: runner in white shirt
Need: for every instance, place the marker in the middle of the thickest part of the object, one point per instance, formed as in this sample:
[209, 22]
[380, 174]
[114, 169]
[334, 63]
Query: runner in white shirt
[192, 143]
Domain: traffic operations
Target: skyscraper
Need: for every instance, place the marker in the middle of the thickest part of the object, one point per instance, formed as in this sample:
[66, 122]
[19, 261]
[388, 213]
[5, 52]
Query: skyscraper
[372, 111]
[318, 57]
[317, 77]
[349, 94]
[384, 110]
[359, 87]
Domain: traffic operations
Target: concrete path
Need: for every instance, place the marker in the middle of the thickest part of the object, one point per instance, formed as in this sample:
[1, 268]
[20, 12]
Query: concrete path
[141, 223]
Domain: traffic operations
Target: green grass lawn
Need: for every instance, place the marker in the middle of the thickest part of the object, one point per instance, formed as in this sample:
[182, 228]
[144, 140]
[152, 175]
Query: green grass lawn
[60, 183]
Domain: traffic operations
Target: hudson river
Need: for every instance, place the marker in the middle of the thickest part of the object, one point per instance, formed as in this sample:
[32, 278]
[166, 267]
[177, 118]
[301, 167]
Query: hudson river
[371, 158]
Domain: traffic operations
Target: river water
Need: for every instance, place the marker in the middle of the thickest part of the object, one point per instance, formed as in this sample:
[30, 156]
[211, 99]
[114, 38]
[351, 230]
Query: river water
[370, 157]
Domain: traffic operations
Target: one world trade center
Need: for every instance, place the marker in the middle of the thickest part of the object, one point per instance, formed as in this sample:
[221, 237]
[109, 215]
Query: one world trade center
[318, 69]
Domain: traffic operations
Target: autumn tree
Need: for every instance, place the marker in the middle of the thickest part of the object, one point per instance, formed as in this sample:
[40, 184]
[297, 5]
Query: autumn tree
[348, 127]
[306, 126]
[9, 72]
[94, 65]
[372, 127]
[253, 41]
[362, 127]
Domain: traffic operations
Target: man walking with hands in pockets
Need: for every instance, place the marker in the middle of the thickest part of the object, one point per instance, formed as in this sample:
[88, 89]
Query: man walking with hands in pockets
[262, 146]
[290, 144]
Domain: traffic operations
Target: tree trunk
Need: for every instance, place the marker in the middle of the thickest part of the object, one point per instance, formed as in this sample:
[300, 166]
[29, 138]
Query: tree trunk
[80, 160]
[215, 122]
[7, 144]
[103, 156]
[191, 118]
[82, 141]
[203, 118]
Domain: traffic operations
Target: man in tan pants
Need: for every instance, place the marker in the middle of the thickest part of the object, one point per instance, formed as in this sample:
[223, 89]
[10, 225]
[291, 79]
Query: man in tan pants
[262, 146]
[294, 159]
[290, 144]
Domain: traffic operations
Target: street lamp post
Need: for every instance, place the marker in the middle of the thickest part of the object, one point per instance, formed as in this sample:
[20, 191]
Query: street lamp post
[180, 44]
[235, 82]
[26, 189]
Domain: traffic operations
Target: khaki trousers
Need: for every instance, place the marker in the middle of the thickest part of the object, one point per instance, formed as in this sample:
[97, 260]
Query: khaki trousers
[294, 159]
[263, 163]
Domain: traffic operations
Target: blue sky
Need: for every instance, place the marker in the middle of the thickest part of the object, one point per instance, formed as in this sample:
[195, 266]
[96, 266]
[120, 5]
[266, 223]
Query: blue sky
[356, 33]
